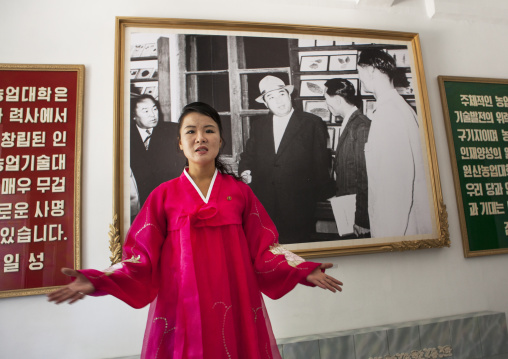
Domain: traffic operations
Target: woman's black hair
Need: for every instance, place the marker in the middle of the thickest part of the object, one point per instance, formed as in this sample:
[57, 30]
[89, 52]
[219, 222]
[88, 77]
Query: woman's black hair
[343, 88]
[207, 110]
[137, 99]
[385, 63]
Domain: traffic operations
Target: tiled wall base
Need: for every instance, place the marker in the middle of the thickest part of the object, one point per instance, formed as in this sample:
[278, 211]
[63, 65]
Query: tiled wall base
[481, 335]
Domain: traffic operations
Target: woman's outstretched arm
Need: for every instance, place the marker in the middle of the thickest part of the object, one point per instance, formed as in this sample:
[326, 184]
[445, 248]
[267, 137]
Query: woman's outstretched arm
[74, 291]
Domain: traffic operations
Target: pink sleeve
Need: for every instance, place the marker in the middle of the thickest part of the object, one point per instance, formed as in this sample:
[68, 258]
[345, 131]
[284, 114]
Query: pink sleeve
[135, 279]
[278, 270]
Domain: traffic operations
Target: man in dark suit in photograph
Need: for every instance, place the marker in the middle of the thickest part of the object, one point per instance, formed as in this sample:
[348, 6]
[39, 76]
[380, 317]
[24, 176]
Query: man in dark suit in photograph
[287, 162]
[349, 165]
[154, 154]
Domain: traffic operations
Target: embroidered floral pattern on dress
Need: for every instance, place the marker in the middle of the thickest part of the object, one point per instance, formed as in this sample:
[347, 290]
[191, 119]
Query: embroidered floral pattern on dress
[255, 310]
[224, 325]
[166, 331]
[274, 268]
[114, 267]
[268, 229]
[292, 259]
[110, 270]
[133, 259]
[262, 225]
[147, 224]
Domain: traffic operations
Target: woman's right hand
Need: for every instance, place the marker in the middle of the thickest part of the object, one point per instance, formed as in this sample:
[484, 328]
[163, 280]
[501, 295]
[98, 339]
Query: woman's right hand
[74, 291]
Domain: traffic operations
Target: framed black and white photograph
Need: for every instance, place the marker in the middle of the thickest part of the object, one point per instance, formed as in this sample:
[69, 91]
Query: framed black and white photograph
[400, 56]
[345, 62]
[134, 73]
[149, 50]
[137, 50]
[314, 63]
[145, 73]
[318, 108]
[312, 88]
[233, 66]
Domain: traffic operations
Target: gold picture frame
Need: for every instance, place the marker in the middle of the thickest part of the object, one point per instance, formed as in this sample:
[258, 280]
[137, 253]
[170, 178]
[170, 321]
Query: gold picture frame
[182, 69]
[41, 111]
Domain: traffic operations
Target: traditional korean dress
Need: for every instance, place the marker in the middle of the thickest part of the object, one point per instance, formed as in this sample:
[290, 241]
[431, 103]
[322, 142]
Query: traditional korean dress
[202, 263]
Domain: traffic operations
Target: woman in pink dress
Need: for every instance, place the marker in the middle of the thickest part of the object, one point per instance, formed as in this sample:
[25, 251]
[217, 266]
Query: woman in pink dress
[200, 252]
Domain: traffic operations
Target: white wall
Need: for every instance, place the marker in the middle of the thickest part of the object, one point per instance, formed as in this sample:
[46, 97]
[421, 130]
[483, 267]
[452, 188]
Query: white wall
[379, 288]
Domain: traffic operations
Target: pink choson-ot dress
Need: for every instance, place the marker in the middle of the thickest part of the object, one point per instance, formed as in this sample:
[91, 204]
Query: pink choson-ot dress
[202, 263]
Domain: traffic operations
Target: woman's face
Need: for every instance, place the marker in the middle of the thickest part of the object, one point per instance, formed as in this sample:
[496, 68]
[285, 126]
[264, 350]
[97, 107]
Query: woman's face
[147, 114]
[199, 139]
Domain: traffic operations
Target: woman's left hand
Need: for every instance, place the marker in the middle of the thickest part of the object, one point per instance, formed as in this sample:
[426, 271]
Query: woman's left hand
[323, 280]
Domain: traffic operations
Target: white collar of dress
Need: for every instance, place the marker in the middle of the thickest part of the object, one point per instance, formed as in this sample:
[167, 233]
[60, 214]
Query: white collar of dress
[205, 199]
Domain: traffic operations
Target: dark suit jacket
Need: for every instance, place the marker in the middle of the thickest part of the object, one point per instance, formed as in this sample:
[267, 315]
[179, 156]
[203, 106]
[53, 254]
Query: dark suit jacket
[161, 162]
[349, 166]
[290, 182]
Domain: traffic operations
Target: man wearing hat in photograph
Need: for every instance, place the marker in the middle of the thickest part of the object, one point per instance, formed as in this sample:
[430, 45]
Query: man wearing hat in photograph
[287, 163]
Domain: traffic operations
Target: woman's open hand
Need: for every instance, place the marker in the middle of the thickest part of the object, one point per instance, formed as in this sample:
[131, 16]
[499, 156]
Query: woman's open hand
[323, 280]
[74, 291]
